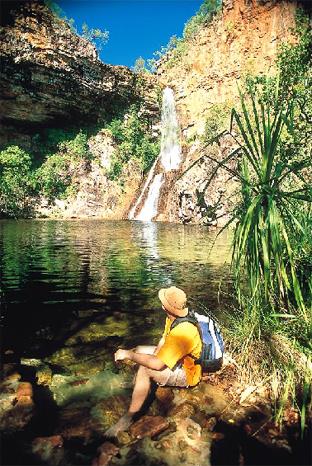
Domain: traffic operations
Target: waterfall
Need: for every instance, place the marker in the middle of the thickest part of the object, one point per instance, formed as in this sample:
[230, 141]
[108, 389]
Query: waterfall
[149, 209]
[169, 159]
[146, 185]
[170, 151]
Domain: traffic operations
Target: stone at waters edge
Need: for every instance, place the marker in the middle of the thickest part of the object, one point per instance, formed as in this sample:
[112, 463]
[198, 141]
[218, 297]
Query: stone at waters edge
[106, 452]
[49, 449]
[148, 426]
[16, 403]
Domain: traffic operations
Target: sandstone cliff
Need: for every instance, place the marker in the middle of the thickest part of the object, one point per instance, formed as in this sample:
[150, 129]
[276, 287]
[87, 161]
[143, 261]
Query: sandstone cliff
[243, 39]
[50, 76]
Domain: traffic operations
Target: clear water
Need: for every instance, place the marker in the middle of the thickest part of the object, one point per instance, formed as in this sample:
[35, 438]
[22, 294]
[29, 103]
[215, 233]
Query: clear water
[60, 277]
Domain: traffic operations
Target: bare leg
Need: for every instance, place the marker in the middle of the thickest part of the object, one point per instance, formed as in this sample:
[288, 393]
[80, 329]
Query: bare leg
[139, 395]
[140, 391]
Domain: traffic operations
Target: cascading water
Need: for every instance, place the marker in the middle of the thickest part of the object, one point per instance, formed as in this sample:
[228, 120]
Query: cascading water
[170, 149]
[169, 157]
[149, 209]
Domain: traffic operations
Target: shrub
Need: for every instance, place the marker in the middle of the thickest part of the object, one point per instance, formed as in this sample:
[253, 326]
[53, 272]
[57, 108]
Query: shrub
[77, 147]
[216, 121]
[97, 36]
[56, 175]
[139, 66]
[134, 142]
[15, 181]
[53, 177]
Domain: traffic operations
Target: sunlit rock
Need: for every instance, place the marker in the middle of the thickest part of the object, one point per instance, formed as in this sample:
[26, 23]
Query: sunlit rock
[149, 426]
[16, 405]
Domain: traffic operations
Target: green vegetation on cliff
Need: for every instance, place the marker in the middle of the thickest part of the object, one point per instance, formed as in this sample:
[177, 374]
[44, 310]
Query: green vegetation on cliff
[176, 47]
[15, 181]
[98, 37]
[134, 141]
[61, 158]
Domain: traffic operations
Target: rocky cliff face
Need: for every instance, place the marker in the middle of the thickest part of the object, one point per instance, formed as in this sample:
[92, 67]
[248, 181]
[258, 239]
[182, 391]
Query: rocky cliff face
[52, 77]
[243, 39]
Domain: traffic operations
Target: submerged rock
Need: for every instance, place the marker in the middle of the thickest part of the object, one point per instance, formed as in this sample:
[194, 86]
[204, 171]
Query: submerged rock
[108, 411]
[106, 452]
[77, 423]
[185, 445]
[16, 405]
[69, 389]
[49, 449]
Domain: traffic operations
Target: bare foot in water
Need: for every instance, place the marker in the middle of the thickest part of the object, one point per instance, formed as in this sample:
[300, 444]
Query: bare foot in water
[121, 425]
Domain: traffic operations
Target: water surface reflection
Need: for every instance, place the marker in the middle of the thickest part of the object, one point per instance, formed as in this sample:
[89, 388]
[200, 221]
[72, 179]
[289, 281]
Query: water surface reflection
[61, 277]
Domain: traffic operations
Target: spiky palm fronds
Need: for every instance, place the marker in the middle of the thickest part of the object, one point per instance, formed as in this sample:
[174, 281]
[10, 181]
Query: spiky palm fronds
[262, 251]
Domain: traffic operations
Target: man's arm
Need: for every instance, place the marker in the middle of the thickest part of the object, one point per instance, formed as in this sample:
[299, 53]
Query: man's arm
[147, 360]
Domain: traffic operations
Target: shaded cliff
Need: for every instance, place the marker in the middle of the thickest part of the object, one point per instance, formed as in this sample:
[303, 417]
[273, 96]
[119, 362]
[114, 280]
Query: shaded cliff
[50, 76]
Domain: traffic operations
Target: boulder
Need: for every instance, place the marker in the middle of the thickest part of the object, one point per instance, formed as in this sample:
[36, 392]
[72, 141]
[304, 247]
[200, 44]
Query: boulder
[149, 426]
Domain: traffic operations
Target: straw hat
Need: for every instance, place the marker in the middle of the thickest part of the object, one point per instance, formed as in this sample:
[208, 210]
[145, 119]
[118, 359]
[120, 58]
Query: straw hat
[174, 300]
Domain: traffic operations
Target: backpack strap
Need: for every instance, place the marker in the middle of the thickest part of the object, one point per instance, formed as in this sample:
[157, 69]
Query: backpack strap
[190, 317]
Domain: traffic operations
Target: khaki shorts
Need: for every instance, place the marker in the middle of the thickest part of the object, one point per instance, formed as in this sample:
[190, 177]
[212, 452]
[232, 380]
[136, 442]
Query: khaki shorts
[166, 377]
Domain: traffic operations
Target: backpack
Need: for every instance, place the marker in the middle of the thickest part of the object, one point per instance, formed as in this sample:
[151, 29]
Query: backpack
[212, 342]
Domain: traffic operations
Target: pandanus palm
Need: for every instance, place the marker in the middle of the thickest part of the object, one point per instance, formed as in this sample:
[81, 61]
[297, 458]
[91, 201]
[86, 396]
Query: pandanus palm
[271, 185]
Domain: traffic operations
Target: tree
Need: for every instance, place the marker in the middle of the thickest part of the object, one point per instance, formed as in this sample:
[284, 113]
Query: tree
[97, 36]
[139, 65]
[15, 181]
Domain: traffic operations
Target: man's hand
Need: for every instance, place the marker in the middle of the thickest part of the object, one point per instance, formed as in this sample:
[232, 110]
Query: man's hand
[148, 360]
[122, 354]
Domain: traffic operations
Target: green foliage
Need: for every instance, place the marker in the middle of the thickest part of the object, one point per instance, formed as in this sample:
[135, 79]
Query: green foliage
[272, 251]
[139, 66]
[134, 142]
[216, 121]
[204, 15]
[55, 177]
[294, 63]
[15, 181]
[97, 36]
[77, 147]
[262, 251]
[52, 139]
[272, 218]
[177, 46]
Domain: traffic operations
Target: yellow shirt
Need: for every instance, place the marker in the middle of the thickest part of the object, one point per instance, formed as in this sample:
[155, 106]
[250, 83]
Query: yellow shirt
[180, 343]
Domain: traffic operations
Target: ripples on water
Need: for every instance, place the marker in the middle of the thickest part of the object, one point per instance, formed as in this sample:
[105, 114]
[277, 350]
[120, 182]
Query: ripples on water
[57, 276]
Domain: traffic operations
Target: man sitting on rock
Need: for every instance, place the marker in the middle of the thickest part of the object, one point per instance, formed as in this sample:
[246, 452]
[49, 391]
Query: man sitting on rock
[171, 363]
